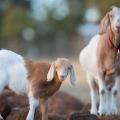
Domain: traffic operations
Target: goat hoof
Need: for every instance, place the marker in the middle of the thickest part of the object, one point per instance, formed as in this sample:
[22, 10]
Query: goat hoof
[114, 111]
[93, 111]
[102, 112]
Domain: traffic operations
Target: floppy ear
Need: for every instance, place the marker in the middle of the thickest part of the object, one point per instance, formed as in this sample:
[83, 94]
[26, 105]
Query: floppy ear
[104, 24]
[51, 73]
[72, 76]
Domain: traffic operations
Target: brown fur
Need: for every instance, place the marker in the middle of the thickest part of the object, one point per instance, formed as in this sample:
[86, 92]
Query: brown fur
[107, 58]
[40, 87]
[37, 74]
[57, 105]
[76, 115]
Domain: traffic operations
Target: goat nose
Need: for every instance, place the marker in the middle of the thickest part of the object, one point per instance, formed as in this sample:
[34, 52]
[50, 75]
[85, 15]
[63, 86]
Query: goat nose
[62, 77]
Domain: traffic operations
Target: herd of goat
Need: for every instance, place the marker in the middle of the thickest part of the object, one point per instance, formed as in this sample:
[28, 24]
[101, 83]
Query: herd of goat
[39, 81]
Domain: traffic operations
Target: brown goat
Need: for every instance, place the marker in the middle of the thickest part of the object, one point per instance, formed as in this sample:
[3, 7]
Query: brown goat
[45, 79]
[37, 80]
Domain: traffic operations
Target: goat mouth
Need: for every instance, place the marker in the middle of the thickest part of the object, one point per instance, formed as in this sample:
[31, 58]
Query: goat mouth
[62, 79]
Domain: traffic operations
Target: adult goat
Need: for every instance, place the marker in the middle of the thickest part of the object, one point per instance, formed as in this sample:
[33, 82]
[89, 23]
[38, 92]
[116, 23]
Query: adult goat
[100, 60]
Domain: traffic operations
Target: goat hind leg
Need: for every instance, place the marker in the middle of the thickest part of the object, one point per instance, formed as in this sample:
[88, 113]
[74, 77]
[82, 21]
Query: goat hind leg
[33, 105]
[92, 93]
[102, 93]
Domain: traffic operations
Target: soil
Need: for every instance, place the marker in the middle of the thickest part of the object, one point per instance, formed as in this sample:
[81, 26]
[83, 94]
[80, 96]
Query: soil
[62, 106]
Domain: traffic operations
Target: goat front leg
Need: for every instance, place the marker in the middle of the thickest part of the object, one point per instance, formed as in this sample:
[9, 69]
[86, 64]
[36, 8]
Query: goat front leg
[108, 102]
[114, 109]
[44, 108]
[33, 103]
[102, 93]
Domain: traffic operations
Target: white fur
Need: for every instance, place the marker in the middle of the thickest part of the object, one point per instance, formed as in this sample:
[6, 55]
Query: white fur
[88, 62]
[33, 104]
[13, 74]
[72, 76]
[51, 72]
[18, 78]
[93, 95]
[108, 104]
[1, 118]
[88, 56]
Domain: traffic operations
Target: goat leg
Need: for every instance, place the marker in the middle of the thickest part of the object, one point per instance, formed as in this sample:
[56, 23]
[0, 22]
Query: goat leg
[44, 108]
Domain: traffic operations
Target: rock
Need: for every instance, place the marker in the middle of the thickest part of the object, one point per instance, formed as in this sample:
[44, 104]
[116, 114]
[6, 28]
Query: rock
[81, 116]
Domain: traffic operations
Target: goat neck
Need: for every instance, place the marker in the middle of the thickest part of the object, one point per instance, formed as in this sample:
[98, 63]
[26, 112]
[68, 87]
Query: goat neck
[107, 56]
[113, 40]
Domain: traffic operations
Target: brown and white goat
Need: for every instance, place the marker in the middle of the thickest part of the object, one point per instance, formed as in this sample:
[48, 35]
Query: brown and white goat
[101, 61]
[38, 80]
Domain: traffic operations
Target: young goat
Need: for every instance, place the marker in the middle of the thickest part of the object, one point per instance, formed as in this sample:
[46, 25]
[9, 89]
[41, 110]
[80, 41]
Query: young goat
[100, 60]
[38, 80]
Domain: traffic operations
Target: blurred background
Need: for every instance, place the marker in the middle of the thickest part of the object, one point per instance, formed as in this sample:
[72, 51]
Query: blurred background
[50, 28]
[47, 29]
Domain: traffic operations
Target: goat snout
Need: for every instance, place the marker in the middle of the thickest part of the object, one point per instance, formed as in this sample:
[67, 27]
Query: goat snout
[62, 77]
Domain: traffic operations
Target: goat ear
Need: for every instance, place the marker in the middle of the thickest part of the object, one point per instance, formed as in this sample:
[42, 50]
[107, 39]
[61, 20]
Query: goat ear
[105, 22]
[72, 76]
[51, 73]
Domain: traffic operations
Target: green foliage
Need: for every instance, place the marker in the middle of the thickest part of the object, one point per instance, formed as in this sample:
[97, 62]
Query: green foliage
[105, 5]
[14, 21]
[68, 24]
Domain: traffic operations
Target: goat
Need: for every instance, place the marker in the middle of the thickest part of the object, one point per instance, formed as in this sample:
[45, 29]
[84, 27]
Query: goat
[37, 80]
[100, 60]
